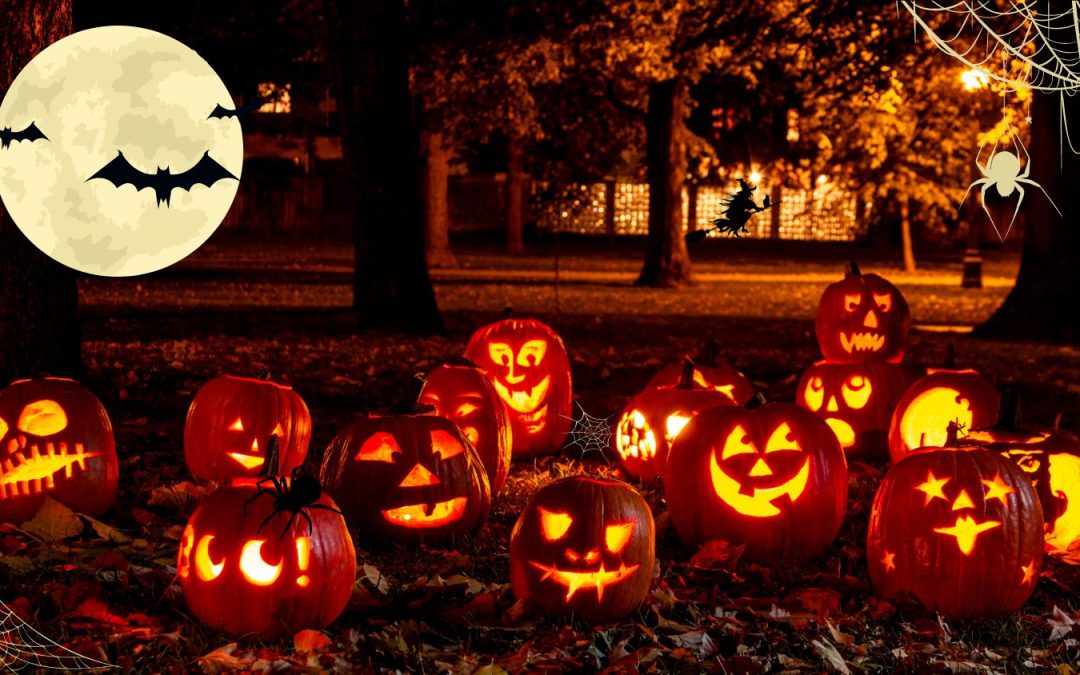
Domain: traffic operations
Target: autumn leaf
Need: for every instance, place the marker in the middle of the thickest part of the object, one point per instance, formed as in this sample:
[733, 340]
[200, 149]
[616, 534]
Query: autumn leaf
[827, 651]
[106, 532]
[307, 641]
[222, 659]
[54, 522]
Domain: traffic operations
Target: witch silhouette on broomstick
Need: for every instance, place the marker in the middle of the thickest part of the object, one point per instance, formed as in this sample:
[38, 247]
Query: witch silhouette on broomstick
[738, 208]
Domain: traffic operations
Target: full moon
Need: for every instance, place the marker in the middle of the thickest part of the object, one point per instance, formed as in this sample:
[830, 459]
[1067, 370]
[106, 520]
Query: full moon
[119, 112]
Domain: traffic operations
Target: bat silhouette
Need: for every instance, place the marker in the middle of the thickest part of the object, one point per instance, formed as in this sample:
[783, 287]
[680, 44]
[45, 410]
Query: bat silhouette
[221, 112]
[205, 172]
[30, 133]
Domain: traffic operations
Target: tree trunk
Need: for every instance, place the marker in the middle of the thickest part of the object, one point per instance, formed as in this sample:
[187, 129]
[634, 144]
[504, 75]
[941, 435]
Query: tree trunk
[436, 176]
[391, 286]
[39, 327]
[1042, 305]
[667, 262]
[515, 196]
[905, 233]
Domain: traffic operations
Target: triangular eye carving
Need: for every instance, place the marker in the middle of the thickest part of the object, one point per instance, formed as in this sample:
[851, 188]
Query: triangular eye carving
[553, 524]
[380, 447]
[737, 443]
[782, 439]
[445, 445]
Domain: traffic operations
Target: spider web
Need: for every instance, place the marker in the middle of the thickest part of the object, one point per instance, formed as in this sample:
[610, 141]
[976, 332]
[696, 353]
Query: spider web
[588, 433]
[22, 647]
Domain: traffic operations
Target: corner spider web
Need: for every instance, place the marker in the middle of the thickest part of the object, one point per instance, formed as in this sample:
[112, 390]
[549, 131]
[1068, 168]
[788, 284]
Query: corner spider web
[588, 433]
[22, 647]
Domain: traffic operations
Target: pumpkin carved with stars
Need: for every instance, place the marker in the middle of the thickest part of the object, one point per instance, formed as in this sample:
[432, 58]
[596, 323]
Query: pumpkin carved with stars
[710, 371]
[55, 440]
[409, 478]
[584, 546]
[862, 318]
[652, 420]
[856, 400]
[958, 529]
[230, 420]
[773, 478]
[530, 369]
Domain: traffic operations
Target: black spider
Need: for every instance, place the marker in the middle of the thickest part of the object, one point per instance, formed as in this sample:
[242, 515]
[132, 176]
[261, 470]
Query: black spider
[299, 493]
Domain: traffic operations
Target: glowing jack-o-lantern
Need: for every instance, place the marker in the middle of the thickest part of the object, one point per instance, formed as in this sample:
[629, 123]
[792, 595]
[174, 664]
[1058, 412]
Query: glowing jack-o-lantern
[247, 570]
[773, 478]
[655, 417]
[862, 318]
[407, 478]
[529, 367]
[584, 546]
[942, 396]
[958, 529]
[55, 440]
[856, 401]
[230, 421]
[710, 372]
[463, 394]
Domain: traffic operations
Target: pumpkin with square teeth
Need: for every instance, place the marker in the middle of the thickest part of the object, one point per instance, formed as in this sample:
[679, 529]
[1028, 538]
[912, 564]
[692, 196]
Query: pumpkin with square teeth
[958, 529]
[710, 371]
[410, 478]
[773, 478]
[857, 401]
[463, 393]
[652, 420]
[862, 318]
[528, 365]
[56, 440]
[584, 546]
[230, 420]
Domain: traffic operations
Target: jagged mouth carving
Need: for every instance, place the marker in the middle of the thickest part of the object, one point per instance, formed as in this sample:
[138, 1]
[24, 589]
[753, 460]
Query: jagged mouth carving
[31, 472]
[427, 515]
[529, 403]
[575, 581]
[862, 342]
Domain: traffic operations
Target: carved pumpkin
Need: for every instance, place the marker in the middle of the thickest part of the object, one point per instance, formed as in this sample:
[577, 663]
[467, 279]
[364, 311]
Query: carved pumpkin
[584, 546]
[773, 478]
[463, 394]
[862, 318]
[710, 371]
[1050, 458]
[247, 571]
[230, 421]
[407, 478]
[942, 396]
[958, 529]
[55, 440]
[529, 367]
[856, 400]
[654, 418]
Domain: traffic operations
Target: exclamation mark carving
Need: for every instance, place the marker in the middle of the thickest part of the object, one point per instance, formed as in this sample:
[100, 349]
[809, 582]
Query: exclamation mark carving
[303, 559]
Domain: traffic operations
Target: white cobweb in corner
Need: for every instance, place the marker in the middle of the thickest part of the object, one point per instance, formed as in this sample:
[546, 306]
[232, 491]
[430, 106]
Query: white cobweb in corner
[22, 647]
[589, 434]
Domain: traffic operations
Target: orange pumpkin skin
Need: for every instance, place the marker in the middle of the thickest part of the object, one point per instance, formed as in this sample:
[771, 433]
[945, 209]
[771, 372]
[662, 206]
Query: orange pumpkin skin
[654, 418]
[957, 529]
[55, 440]
[464, 395]
[231, 420]
[304, 577]
[408, 479]
[856, 401]
[862, 318]
[773, 478]
[721, 377]
[942, 396]
[528, 365]
[584, 546]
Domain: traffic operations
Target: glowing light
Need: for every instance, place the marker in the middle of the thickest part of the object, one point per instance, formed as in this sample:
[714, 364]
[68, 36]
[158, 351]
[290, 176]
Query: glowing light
[755, 177]
[1029, 573]
[554, 524]
[974, 79]
[205, 568]
[419, 476]
[933, 487]
[238, 425]
[822, 180]
[998, 489]
[887, 561]
[419, 516]
[963, 501]
[303, 560]
[1064, 470]
[445, 445]
[617, 536]
[675, 425]
[42, 418]
[966, 530]
[28, 471]
[380, 447]
[247, 461]
[254, 568]
[758, 502]
[926, 420]
[843, 431]
[575, 581]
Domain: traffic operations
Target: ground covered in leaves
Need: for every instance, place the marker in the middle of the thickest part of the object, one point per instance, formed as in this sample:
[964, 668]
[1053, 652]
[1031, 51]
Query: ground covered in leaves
[106, 588]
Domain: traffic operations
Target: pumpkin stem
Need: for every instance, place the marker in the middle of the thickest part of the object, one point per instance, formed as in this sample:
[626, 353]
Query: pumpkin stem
[950, 356]
[1009, 410]
[410, 402]
[952, 434]
[273, 458]
[265, 375]
[686, 378]
[710, 354]
[508, 312]
[756, 401]
[853, 269]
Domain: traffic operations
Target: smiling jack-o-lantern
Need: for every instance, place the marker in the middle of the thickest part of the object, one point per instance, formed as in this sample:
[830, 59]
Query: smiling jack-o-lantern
[55, 440]
[773, 478]
[710, 371]
[248, 571]
[230, 421]
[862, 318]
[407, 478]
[942, 396]
[655, 417]
[584, 546]
[463, 393]
[529, 367]
[958, 529]
[856, 400]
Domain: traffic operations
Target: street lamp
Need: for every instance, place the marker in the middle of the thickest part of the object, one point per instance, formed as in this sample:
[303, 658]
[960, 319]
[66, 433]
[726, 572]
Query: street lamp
[973, 79]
